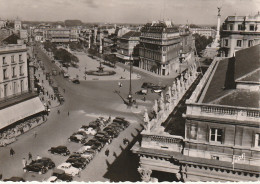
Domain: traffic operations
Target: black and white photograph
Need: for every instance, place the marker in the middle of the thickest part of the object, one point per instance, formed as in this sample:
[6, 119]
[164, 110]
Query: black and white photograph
[129, 91]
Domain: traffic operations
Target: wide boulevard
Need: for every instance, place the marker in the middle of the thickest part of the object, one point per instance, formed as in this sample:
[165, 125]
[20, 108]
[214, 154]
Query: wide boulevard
[84, 102]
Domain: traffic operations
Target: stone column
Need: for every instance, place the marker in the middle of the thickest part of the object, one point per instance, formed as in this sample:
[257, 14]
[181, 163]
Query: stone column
[145, 174]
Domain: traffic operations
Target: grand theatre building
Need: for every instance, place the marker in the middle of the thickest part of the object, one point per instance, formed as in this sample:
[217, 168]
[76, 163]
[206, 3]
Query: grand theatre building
[219, 136]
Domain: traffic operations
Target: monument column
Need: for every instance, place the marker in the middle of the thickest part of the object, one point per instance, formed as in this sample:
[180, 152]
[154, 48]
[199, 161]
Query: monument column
[218, 26]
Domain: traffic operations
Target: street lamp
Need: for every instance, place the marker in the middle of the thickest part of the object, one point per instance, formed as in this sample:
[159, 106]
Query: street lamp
[130, 97]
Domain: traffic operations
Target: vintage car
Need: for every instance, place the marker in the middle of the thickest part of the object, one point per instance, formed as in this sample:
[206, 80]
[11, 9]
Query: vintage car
[78, 138]
[15, 179]
[61, 150]
[36, 167]
[77, 162]
[69, 169]
[61, 175]
[52, 179]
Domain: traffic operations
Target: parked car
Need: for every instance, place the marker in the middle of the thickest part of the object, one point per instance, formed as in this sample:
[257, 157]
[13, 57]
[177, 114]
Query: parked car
[69, 169]
[61, 175]
[75, 81]
[82, 150]
[15, 179]
[36, 167]
[66, 75]
[61, 150]
[77, 163]
[142, 92]
[89, 130]
[52, 179]
[40, 166]
[77, 138]
[147, 85]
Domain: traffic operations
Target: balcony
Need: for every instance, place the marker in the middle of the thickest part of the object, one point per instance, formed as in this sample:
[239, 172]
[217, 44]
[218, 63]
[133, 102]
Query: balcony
[250, 115]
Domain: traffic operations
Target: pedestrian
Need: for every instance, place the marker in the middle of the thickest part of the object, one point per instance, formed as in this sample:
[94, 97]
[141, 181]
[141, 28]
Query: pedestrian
[144, 98]
[29, 156]
[42, 81]
[119, 83]
[64, 90]
[58, 111]
[11, 152]
[24, 162]
[35, 134]
[107, 152]
[47, 93]
[68, 113]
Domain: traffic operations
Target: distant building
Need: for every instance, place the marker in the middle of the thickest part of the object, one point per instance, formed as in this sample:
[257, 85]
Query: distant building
[23, 35]
[207, 32]
[127, 45]
[17, 98]
[239, 32]
[62, 35]
[17, 25]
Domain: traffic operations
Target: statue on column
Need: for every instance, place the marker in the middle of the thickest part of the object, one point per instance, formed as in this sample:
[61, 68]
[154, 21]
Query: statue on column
[145, 174]
[174, 88]
[170, 93]
[178, 85]
[155, 107]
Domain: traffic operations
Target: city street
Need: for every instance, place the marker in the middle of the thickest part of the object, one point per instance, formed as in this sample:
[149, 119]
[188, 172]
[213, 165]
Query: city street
[84, 102]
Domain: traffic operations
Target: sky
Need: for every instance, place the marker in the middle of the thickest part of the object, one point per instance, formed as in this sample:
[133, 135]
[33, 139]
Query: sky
[127, 11]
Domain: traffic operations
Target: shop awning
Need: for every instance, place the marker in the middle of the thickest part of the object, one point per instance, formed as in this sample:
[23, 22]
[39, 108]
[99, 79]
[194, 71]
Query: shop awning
[20, 111]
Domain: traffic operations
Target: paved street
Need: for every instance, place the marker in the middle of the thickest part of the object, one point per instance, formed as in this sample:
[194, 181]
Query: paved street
[84, 102]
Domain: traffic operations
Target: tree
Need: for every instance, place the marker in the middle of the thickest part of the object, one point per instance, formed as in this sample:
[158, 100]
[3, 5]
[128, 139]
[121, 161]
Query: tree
[201, 42]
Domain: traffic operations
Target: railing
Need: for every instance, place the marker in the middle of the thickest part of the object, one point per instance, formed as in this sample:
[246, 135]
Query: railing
[163, 138]
[226, 112]
[12, 47]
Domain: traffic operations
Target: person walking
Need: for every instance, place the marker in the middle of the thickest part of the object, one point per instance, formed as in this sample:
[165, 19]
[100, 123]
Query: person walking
[35, 134]
[68, 113]
[24, 162]
[29, 156]
[58, 111]
[11, 152]
[107, 152]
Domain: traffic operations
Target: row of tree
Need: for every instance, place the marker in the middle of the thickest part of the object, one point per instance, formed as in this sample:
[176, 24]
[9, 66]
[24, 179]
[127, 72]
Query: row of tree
[201, 42]
[62, 55]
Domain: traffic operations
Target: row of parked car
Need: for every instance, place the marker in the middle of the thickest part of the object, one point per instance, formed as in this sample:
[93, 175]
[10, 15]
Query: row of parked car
[93, 137]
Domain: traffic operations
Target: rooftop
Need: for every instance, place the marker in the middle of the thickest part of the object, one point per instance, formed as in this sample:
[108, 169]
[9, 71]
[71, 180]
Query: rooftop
[240, 98]
[159, 26]
[253, 77]
[222, 84]
[131, 34]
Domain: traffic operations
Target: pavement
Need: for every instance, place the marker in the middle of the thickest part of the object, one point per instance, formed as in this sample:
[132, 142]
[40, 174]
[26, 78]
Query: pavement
[84, 102]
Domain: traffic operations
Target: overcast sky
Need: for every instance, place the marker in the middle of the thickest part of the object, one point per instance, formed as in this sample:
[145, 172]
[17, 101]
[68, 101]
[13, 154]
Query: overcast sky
[126, 11]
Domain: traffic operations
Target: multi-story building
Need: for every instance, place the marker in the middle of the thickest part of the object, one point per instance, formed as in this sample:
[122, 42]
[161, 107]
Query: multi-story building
[161, 44]
[127, 47]
[239, 32]
[207, 32]
[219, 138]
[17, 98]
[62, 35]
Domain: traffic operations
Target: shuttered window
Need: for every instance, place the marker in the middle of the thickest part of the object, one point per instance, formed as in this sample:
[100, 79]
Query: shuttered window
[216, 135]
[257, 140]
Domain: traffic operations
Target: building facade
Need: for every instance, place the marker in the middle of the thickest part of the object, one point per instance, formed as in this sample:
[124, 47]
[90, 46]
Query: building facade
[61, 35]
[219, 139]
[18, 101]
[13, 75]
[127, 47]
[239, 32]
[207, 32]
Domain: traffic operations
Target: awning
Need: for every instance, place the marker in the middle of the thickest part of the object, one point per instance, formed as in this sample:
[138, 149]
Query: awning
[19, 111]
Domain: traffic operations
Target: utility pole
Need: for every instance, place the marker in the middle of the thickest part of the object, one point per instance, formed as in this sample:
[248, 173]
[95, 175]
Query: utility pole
[130, 97]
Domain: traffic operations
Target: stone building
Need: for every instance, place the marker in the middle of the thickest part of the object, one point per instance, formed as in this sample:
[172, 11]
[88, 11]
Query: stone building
[239, 32]
[17, 98]
[161, 47]
[127, 49]
[219, 138]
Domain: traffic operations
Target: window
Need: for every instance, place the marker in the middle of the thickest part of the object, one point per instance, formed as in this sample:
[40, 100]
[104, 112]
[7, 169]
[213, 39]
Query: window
[4, 61]
[239, 43]
[257, 140]
[20, 58]
[5, 90]
[13, 69]
[5, 73]
[251, 27]
[216, 134]
[240, 27]
[230, 27]
[215, 157]
[12, 59]
[226, 42]
[21, 70]
[250, 43]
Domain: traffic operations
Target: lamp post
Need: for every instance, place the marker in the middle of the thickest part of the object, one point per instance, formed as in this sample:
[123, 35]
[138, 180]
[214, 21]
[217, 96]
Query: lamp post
[130, 97]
